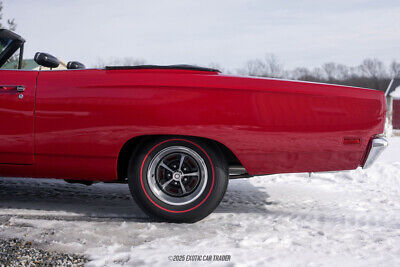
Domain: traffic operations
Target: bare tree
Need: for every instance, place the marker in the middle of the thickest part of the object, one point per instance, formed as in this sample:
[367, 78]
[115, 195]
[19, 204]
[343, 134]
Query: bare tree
[373, 68]
[395, 69]
[253, 68]
[268, 67]
[334, 71]
[11, 25]
[318, 74]
[1, 14]
[273, 67]
[305, 74]
[375, 71]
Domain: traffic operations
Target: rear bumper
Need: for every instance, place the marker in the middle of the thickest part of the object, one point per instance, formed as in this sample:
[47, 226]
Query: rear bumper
[378, 144]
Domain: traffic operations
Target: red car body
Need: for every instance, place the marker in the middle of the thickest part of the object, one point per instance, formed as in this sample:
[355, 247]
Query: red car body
[73, 124]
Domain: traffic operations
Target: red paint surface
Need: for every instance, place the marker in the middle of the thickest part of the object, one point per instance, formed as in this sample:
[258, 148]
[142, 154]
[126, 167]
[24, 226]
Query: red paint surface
[84, 117]
[396, 114]
[17, 117]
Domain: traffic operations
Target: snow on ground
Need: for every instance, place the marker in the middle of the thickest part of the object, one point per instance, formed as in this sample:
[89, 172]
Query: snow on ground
[396, 92]
[347, 218]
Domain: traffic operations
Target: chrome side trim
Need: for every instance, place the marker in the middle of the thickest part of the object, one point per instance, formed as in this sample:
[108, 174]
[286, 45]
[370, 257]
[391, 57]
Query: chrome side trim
[378, 144]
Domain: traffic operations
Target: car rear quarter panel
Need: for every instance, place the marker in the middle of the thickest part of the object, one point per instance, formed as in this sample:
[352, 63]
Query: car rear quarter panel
[84, 117]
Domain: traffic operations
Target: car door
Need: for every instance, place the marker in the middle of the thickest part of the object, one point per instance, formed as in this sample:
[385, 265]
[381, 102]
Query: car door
[17, 103]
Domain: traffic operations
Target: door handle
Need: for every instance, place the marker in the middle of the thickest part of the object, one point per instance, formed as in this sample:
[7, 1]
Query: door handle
[19, 88]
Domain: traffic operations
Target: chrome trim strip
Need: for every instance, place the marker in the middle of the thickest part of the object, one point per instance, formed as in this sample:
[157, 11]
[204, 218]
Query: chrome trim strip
[378, 144]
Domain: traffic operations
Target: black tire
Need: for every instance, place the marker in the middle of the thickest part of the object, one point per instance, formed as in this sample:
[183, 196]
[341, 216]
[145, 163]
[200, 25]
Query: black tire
[198, 185]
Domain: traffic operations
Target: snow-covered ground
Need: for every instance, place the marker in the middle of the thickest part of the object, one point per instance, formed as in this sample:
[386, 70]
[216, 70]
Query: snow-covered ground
[345, 219]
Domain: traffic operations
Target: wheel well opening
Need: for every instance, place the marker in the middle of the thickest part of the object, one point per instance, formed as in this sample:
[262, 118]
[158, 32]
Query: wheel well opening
[132, 146]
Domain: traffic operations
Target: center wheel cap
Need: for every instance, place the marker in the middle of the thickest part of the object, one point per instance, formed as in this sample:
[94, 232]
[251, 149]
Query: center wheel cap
[177, 176]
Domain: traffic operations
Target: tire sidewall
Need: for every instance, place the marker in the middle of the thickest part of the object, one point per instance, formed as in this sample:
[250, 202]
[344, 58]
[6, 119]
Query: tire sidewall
[207, 201]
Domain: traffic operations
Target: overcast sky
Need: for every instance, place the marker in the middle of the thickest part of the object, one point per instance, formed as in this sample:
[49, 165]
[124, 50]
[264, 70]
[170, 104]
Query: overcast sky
[227, 32]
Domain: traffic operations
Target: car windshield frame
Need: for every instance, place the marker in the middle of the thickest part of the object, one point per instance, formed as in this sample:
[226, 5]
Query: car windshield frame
[13, 43]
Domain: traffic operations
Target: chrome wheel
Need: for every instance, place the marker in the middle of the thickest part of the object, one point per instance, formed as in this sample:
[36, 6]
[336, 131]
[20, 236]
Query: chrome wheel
[177, 175]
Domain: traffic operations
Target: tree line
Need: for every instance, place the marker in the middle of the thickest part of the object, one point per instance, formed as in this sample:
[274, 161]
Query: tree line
[370, 73]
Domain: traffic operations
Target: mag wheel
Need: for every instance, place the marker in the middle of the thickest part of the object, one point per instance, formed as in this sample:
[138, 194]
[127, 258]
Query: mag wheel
[178, 180]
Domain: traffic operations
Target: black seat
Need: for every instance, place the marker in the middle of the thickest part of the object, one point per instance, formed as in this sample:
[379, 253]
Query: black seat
[74, 65]
[46, 60]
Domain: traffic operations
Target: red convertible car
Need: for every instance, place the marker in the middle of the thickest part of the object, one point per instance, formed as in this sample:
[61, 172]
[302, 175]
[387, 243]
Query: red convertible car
[176, 134]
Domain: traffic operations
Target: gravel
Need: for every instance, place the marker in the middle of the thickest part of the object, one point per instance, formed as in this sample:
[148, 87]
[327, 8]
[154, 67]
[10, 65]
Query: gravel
[16, 252]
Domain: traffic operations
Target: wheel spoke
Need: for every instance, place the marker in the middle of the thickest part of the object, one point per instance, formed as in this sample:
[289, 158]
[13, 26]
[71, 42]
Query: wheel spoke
[177, 175]
[166, 167]
[183, 187]
[164, 185]
[181, 162]
[191, 174]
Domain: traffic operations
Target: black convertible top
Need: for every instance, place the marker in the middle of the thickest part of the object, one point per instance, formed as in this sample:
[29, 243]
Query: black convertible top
[11, 35]
[9, 43]
[176, 67]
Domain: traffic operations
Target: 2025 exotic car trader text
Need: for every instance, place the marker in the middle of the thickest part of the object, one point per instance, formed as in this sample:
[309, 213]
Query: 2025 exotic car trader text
[176, 134]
